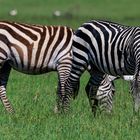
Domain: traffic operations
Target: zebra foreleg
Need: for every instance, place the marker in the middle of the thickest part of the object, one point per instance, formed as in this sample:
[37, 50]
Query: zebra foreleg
[91, 93]
[91, 90]
[4, 75]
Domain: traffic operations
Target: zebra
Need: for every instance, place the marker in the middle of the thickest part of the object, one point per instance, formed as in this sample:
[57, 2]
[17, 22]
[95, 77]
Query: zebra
[109, 48]
[18, 43]
[105, 93]
[34, 49]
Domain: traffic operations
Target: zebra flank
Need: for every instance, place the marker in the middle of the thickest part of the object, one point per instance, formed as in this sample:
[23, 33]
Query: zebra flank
[34, 49]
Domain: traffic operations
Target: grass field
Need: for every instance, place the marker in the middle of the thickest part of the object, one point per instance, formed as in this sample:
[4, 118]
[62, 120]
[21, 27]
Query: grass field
[33, 97]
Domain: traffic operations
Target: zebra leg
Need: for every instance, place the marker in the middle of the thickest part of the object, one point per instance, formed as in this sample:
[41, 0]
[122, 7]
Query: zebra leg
[4, 75]
[71, 92]
[136, 92]
[72, 85]
[60, 94]
[58, 106]
[136, 87]
[91, 90]
[63, 73]
[91, 94]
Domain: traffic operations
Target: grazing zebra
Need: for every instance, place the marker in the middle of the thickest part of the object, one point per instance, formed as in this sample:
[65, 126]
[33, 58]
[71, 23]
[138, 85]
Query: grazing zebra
[105, 93]
[108, 48]
[34, 49]
[39, 49]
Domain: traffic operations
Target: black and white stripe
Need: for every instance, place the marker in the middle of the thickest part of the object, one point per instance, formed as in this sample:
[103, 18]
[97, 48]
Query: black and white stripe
[104, 95]
[109, 48]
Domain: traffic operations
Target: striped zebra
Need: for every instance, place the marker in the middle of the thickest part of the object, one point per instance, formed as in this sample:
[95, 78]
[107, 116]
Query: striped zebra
[109, 48]
[105, 93]
[34, 49]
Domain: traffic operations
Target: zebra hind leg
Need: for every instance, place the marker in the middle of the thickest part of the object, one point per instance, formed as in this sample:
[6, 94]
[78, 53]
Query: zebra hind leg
[136, 93]
[63, 72]
[59, 99]
[5, 100]
[4, 75]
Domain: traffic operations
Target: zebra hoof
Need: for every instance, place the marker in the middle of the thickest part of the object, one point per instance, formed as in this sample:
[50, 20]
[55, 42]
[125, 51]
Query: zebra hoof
[10, 110]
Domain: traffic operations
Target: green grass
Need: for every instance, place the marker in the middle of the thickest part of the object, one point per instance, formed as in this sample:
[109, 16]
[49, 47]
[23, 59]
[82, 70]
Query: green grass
[33, 97]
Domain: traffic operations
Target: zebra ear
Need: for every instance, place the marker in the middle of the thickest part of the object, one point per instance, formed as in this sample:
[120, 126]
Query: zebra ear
[76, 90]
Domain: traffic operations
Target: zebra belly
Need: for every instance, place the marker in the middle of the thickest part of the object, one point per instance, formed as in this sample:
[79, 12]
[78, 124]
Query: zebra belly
[32, 70]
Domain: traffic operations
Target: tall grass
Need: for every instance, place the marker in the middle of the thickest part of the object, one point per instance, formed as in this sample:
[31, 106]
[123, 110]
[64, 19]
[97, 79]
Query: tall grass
[33, 97]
